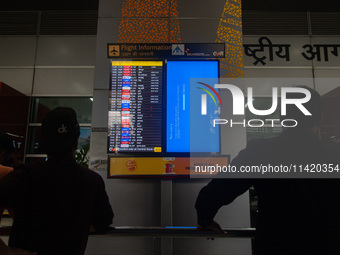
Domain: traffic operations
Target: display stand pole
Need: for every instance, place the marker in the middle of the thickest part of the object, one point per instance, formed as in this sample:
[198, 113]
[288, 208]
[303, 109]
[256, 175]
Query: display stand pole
[166, 214]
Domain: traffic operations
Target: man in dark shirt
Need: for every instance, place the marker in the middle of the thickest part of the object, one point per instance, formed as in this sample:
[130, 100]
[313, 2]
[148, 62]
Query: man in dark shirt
[57, 202]
[296, 216]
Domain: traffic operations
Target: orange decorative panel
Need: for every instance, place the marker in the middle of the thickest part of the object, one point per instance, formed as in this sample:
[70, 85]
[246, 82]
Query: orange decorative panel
[149, 21]
[156, 21]
[229, 31]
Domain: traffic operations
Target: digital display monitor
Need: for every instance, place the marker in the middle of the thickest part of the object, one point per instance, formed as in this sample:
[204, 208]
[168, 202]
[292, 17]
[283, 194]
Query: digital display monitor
[155, 118]
[187, 130]
[135, 107]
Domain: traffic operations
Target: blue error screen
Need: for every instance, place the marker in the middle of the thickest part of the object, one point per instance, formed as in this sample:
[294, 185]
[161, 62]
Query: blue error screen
[184, 108]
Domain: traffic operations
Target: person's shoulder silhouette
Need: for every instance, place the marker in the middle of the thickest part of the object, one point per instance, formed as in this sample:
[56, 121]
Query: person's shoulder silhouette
[295, 216]
[56, 202]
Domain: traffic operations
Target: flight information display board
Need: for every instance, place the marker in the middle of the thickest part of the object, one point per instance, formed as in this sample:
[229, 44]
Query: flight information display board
[135, 106]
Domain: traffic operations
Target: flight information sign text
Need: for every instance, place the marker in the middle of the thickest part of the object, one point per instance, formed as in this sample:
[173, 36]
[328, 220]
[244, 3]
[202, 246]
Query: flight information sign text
[135, 106]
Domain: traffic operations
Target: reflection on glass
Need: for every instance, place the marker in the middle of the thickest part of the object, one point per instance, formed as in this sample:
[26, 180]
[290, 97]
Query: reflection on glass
[13, 117]
[263, 129]
[42, 105]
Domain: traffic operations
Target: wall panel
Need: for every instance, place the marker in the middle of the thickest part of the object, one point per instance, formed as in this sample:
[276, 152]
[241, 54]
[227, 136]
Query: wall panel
[17, 51]
[18, 78]
[327, 80]
[63, 81]
[66, 51]
[200, 8]
[107, 33]
[199, 30]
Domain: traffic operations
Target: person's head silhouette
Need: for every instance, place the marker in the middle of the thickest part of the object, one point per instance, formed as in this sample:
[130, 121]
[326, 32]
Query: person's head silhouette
[60, 131]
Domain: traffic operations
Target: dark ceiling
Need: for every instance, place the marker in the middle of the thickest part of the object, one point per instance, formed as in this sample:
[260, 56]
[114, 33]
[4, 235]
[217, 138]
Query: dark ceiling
[48, 5]
[258, 5]
[292, 5]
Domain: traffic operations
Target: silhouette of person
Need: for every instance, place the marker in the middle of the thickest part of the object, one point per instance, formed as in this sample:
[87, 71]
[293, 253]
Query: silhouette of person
[6, 163]
[56, 202]
[6, 150]
[295, 216]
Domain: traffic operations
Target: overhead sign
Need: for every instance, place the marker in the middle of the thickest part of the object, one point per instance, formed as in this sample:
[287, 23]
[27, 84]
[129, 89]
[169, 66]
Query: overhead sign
[323, 51]
[166, 50]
